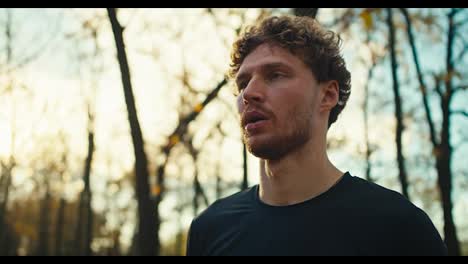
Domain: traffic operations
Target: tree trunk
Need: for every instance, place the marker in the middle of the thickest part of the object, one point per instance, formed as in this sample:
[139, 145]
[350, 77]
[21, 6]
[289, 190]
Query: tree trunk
[195, 193]
[245, 180]
[5, 185]
[443, 161]
[89, 225]
[59, 228]
[148, 215]
[78, 248]
[365, 107]
[6, 170]
[444, 158]
[87, 194]
[197, 188]
[366, 126]
[398, 108]
[85, 214]
[218, 184]
[43, 247]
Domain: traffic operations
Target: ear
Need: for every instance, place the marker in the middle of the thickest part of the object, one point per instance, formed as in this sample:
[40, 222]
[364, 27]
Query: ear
[330, 94]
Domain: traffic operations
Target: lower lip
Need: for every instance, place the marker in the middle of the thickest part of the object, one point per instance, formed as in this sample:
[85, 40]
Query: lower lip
[252, 127]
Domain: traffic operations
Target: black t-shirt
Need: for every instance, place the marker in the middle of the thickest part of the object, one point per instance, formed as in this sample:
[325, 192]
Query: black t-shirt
[354, 217]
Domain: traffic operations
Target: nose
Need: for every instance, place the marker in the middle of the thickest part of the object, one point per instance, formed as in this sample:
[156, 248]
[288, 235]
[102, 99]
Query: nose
[254, 92]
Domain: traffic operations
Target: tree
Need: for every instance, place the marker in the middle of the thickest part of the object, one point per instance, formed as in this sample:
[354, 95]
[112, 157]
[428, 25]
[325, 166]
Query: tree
[11, 87]
[442, 149]
[375, 59]
[398, 107]
[8, 166]
[175, 138]
[85, 212]
[148, 240]
[47, 170]
[60, 222]
[245, 182]
[44, 215]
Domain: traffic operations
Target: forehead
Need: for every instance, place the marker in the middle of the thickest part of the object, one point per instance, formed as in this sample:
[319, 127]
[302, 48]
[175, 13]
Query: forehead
[268, 54]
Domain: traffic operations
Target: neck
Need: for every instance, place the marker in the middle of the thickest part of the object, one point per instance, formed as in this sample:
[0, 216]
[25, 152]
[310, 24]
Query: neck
[298, 176]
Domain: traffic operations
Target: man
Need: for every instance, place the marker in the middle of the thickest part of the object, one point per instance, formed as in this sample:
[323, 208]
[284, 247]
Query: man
[293, 84]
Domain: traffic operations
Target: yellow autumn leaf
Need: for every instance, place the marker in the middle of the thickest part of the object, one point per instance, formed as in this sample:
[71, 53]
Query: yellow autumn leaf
[366, 17]
[198, 108]
[174, 139]
[155, 190]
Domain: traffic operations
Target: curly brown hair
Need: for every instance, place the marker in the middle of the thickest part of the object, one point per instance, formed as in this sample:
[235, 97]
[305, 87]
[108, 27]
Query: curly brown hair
[305, 38]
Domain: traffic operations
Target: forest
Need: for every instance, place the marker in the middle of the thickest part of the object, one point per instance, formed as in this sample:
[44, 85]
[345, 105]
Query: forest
[119, 126]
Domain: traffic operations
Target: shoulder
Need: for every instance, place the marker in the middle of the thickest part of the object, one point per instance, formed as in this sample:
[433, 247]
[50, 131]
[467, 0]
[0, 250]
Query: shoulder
[380, 198]
[388, 203]
[224, 208]
[217, 219]
[408, 224]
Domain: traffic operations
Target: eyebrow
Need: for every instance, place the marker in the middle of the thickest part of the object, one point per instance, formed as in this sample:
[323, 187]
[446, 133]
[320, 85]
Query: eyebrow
[264, 67]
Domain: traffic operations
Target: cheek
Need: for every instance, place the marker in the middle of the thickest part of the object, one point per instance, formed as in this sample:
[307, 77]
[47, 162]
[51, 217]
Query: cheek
[297, 110]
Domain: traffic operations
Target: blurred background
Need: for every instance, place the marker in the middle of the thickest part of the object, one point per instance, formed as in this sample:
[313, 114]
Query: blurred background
[117, 127]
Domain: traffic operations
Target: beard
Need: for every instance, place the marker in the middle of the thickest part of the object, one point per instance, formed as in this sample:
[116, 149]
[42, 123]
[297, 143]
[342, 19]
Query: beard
[294, 135]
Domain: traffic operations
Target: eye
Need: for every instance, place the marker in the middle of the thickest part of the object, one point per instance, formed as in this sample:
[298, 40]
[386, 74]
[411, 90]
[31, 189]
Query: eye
[275, 75]
[241, 85]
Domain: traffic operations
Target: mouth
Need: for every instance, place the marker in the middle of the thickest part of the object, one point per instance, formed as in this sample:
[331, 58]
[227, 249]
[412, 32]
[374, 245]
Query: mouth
[253, 119]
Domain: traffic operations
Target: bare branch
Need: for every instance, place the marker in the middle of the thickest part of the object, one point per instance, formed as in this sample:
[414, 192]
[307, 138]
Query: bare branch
[449, 62]
[194, 152]
[438, 89]
[198, 187]
[463, 87]
[454, 12]
[462, 53]
[183, 124]
[422, 84]
[181, 129]
[460, 35]
[18, 63]
[460, 112]
[8, 36]
[344, 21]
[461, 22]
[184, 78]
[221, 131]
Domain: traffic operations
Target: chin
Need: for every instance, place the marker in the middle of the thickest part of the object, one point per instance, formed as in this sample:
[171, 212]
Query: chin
[263, 148]
[274, 147]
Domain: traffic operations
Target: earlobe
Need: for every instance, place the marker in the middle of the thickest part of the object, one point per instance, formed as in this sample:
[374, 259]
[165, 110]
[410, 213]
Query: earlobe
[330, 95]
